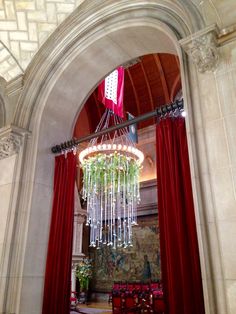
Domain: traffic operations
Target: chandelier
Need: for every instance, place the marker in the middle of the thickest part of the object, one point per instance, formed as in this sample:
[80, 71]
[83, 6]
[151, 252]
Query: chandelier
[111, 165]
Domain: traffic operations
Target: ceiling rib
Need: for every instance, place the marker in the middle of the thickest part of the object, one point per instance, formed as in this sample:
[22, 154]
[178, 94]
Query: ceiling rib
[97, 105]
[163, 78]
[148, 86]
[134, 90]
[174, 87]
[177, 61]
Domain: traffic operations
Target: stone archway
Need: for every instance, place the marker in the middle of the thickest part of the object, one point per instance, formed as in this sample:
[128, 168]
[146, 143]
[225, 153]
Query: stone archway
[2, 104]
[2, 112]
[56, 87]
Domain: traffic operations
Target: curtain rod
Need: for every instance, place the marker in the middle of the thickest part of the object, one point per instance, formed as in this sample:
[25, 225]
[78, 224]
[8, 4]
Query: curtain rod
[158, 112]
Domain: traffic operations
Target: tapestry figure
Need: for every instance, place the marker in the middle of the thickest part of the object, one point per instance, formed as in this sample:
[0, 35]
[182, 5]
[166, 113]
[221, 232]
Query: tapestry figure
[146, 270]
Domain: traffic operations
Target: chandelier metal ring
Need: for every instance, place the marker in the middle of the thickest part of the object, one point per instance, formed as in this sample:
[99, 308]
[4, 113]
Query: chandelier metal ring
[132, 151]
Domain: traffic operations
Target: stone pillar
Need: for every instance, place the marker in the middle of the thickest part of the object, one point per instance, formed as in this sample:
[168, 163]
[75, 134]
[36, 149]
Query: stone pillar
[77, 254]
[213, 118]
[73, 277]
[12, 141]
[79, 219]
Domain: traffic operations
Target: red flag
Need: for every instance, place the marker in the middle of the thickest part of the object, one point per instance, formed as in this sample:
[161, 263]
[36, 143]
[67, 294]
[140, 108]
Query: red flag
[111, 91]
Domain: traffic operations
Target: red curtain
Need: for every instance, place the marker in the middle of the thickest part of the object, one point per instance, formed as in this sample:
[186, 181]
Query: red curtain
[58, 267]
[180, 263]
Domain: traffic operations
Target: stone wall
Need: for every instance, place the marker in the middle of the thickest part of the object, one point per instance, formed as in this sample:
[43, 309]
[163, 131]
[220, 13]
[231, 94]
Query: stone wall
[218, 128]
[54, 88]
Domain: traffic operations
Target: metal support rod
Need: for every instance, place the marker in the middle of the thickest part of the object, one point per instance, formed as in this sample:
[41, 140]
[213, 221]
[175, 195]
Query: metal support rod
[160, 111]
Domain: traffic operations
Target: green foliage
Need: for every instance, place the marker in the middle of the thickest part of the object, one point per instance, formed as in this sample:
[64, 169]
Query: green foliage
[101, 171]
[84, 273]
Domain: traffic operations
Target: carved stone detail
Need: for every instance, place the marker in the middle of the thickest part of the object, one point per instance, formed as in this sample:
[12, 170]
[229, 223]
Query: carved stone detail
[10, 145]
[202, 49]
[79, 219]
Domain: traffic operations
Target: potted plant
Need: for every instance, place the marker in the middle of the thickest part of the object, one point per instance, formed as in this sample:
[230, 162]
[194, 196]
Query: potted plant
[84, 274]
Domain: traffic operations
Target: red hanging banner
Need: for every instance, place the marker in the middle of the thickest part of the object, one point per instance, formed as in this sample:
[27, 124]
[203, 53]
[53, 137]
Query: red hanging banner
[111, 91]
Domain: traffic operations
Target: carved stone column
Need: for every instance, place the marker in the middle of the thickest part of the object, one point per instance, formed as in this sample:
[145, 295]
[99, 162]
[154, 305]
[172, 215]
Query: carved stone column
[79, 219]
[73, 277]
[77, 254]
[202, 48]
[12, 146]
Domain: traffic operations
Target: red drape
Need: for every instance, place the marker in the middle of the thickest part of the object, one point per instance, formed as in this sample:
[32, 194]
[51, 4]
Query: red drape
[58, 267]
[180, 263]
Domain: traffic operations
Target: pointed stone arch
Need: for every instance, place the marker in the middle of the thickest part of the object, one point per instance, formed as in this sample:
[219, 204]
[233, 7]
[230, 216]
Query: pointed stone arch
[88, 45]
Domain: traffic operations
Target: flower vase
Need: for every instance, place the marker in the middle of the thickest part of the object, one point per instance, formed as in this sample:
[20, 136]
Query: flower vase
[84, 285]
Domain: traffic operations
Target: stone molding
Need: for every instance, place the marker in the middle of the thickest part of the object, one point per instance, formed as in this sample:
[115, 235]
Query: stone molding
[80, 30]
[227, 35]
[15, 86]
[11, 140]
[202, 48]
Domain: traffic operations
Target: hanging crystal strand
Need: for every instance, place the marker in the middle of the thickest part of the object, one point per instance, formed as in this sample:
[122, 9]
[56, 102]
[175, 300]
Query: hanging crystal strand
[105, 206]
[101, 213]
[128, 232]
[124, 215]
[137, 194]
[122, 209]
[85, 184]
[128, 201]
[91, 235]
[138, 187]
[109, 202]
[130, 236]
[117, 218]
[88, 194]
[91, 206]
[132, 199]
[114, 220]
[118, 198]
[112, 202]
[122, 204]
[85, 173]
[134, 203]
[110, 215]
[115, 202]
[119, 231]
[129, 176]
[98, 203]
[94, 203]
[112, 199]
[125, 232]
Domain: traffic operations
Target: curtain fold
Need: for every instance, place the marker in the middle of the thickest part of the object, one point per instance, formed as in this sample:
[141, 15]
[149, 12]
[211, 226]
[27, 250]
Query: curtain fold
[57, 283]
[180, 262]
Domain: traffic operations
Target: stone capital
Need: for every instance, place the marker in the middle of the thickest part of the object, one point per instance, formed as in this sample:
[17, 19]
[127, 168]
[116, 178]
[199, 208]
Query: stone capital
[80, 215]
[202, 48]
[11, 139]
[76, 258]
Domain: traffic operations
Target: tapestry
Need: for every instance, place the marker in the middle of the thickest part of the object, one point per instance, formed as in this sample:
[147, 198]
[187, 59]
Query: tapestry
[129, 264]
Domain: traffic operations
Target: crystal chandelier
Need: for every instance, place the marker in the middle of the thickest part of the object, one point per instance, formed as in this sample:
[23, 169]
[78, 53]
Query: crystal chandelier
[111, 166]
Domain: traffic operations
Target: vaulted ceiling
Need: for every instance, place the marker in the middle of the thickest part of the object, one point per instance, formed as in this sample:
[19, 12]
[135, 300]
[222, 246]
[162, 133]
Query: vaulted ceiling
[26, 25]
[152, 82]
